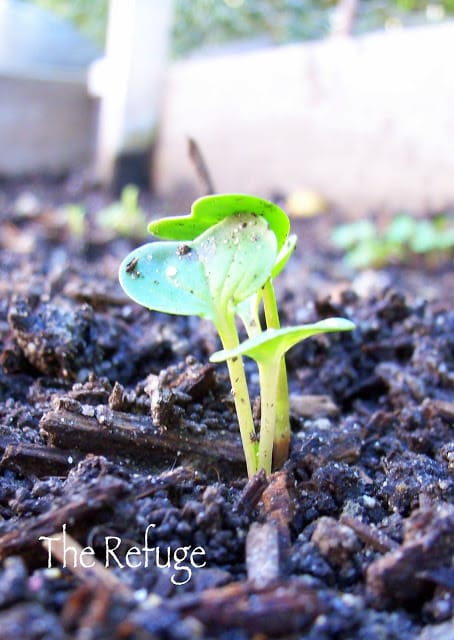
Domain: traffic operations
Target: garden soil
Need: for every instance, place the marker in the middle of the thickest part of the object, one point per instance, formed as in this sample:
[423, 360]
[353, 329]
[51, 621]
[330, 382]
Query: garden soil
[115, 430]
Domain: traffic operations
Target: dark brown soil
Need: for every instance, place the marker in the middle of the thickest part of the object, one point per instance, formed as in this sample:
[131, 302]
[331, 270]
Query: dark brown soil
[112, 420]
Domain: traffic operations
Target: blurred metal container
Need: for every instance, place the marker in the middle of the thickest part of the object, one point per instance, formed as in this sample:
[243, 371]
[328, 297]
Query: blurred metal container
[47, 118]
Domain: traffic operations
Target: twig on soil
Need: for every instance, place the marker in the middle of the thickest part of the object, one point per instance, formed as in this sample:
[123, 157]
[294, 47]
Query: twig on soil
[371, 537]
[278, 609]
[277, 508]
[443, 408]
[37, 460]
[252, 492]
[87, 608]
[165, 480]
[262, 554]
[96, 574]
[82, 507]
[267, 544]
[200, 166]
[134, 436]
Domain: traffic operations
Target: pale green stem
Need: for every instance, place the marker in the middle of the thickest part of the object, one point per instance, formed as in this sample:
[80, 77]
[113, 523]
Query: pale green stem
[282, 426]
[269, 373]
[229, 337]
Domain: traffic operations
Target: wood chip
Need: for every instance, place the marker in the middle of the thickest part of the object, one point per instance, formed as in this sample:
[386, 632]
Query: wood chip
[262, 554]
[268, 544]
[38, 460]
[313, 406]
[371, 537]
[81, 507]
[252, 492]
[279, 609]
[96, 573]
[133, 436]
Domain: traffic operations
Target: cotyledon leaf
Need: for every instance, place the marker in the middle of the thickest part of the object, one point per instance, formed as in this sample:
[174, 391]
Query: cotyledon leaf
[248, 310]
[167, 277]
[284, 254]
[238, 255]
[204, 277]
[272, 344]
[212, 209]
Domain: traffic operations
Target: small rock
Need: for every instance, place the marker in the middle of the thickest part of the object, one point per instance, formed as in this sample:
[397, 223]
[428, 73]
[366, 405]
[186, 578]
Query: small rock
[428, 544]
[336, 542]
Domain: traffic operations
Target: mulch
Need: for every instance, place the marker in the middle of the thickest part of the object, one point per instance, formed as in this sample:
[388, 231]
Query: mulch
[111, 419]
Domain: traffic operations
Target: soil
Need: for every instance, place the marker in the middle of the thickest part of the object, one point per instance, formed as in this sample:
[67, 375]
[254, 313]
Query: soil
[111, 421]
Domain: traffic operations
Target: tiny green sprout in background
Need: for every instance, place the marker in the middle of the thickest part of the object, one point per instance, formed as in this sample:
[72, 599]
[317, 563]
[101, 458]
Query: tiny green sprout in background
[404, 237]
[75, 216]
[124, 217]
[219, 263]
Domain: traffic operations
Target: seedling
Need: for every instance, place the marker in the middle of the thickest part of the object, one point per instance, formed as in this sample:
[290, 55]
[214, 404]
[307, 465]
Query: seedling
[268, 350]
[205, 213]
[218, 263]
[76, 220]
[403, 238]
[124, 217]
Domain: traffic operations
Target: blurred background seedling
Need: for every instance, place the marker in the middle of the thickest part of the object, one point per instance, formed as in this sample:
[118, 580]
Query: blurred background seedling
[124, 217]
[404, 238]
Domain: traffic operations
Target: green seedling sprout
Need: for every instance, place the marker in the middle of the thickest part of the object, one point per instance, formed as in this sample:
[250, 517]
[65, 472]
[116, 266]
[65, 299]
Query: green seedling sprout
[404, 237]
[218, 263]
[75, 219]
[208, 277]
[209, 210]
[125, 216]
[268, 350]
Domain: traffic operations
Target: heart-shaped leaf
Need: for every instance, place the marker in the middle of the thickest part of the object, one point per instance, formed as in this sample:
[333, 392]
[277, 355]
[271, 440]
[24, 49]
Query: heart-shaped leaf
[284, 254]
[210, 210]
[238, 255]
[167, 277]
[272, 344]
[208, 276]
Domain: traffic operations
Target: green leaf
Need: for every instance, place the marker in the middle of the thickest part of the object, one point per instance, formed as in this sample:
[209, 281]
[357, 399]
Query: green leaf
[208, 276]
[401, 229]
[284, 254]
[167, 277]
[426, 237]
[248, 310]
[348, 235]
[124, 217]
[373, 252]
[210, 210]
[238, 255]
[272, 344]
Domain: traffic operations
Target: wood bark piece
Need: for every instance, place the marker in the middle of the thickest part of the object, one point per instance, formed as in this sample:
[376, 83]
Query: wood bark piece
[262, 554]
[443, 408]
[277, 506]
[135, 436]
[80, 508]
[428, 545]
[252, 492]
[97, 575]
[282, 608]
[311, 406]
[37, 460]
[87, 609]
[201, 169]
[267, 543]
[371, 537]
[173, 478]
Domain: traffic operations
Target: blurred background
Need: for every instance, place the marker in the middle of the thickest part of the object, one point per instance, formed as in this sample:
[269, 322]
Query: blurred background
[352, 98]
[343, 107]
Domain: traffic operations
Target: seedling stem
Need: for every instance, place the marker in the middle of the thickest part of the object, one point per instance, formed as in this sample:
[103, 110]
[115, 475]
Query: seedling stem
[282, 409]
[228, 334]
